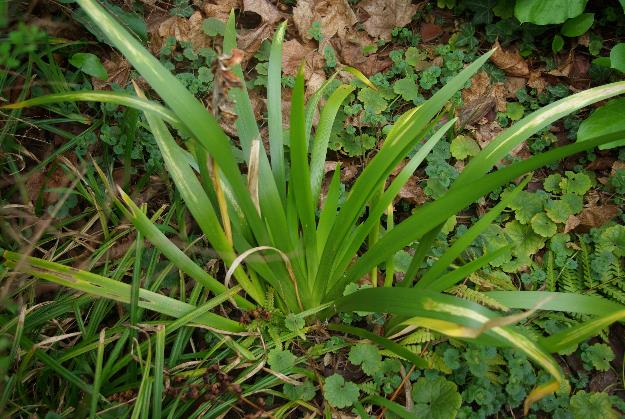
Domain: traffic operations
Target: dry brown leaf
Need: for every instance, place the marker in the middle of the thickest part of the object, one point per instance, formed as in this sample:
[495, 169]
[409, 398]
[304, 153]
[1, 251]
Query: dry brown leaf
[385, 15]
[351, 54]
[513, 84]
[563, 66]
[601, 163]
[537, 81]
[597, 216]
[413, 192]
[335, 16]
[510, 61]
[617, 166]
[571, 223]
[251, 41]
[189, 30]
[430, 31]
[220, 9]
[266, 10]
[293, 54]
[484, 134]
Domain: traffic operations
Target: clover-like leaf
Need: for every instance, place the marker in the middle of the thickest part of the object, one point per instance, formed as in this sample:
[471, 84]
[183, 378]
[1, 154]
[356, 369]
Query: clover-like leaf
[408, 89]
[552, 183]
[515, 111]
[306, 391]
[542, 225]
[523, 239]
[558, 210]
[372, 100]
[462, 147]
[367, 356]
[340, 393]
[526, 205]
[575, 183]
[592, 406]
[293, 322]
[435, 398]
[280, 360]
[598, 356]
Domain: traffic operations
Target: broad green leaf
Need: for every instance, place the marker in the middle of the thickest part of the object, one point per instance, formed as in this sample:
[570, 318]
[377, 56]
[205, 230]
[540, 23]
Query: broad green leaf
[617, 57]
[557, 43]
[213, 26]
[604, 120]
[89, 64]
[543, 12]
[515, 111]
[578, 25]
[543, 226]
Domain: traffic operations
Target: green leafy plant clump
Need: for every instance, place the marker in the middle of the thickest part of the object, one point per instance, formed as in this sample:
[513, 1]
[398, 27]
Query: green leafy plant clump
[290, 255]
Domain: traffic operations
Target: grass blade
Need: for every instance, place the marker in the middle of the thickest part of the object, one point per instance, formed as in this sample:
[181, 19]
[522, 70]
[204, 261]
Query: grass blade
[274, 110]
[159, 365]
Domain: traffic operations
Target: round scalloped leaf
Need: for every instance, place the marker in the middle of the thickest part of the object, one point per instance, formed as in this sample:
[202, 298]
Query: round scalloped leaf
[552, 183]
[435, 398]
[543, 226]
[576, 183]
[523, 239]
[558, 210]
[367, 356]
[462, 147]
[280, 360]
[592, 406]
[340, 393]
[605, 120]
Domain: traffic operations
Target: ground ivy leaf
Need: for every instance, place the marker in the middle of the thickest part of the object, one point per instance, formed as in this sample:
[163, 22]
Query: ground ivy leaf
[340, 393]
[463, 147]
[435, 398]
[306, 391]
[552, 183]
[407, 88]
[558, 210]
[280, 360]
[515, 111]
[576, 202]
[523, 239]
[293, 322]
[367, 356]
[89, 64]
[372, 100]
[598, 356]
[592, 406]
[414, 56]
[542, 225]
[213, 26]
[575, 183]
[526, 205]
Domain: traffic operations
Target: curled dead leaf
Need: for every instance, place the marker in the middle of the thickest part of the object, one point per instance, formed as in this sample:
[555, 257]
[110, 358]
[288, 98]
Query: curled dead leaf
[413, 192]
[267, 11]
[220, 9]
[591, 217]
[335, 16]
[510, 61]
[385, 15]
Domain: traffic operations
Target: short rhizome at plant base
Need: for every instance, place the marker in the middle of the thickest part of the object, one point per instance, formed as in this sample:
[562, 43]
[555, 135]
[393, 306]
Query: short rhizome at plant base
[271, 210]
